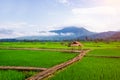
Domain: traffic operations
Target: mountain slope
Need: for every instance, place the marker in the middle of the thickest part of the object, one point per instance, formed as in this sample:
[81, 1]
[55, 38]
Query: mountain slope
[75, 30]
[115, 36]
[102, 35]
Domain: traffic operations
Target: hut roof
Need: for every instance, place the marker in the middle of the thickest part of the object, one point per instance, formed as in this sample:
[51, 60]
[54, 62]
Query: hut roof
[76, 43]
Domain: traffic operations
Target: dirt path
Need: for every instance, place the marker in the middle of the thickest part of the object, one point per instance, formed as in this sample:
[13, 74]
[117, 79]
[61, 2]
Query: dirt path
[48, 72]
[22, 68]
[60, 50]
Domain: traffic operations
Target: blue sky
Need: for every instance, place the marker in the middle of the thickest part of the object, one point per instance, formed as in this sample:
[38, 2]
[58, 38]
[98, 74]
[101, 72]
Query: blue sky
[32, 11]
[29, 17]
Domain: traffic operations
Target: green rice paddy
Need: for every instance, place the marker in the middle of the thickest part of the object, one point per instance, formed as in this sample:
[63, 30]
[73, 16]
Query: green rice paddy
[46, 45]
[93, 68]
[33, 58]
[11, 75]
[90, 68]
[58, 45]
[104, 52]
[15, 75]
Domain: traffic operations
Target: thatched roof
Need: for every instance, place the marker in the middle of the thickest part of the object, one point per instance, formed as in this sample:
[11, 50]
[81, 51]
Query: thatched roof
[76, 43]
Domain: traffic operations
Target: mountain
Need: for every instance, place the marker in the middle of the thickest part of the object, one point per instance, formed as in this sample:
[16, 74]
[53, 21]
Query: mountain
[67, 33]
[72, 33]
[74, 30]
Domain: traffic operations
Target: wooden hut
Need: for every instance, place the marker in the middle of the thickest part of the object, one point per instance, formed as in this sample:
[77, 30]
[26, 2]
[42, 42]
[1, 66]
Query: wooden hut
[75, 44]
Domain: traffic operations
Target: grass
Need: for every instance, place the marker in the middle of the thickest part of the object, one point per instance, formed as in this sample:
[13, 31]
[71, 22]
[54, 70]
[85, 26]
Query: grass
[91, 69]
[33, 58]
[58, 45]
[101, 45]
[11, 75]
[105, 52]
[15, 75]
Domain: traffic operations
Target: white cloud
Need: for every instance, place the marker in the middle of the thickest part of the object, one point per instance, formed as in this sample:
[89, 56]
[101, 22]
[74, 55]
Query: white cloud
[95, 15]
[18, 29]
[21, 34]
[11, 25]
[97, 18]
[47, 33]
[64, 1]
[66, 34]
[81, 3]
[103, 10]
[112, 2]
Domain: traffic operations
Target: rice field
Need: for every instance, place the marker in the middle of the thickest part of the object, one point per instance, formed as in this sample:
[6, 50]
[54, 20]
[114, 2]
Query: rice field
[90, 68]
[58, 45]
[11, 75]
[46, 45]
[93, 68]
[101, 45]
[15, 75]
[33, 58]
[104, 52]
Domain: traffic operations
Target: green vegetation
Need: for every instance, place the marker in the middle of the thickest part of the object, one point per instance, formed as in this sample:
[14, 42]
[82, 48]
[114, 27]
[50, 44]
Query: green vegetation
[93, 68]
[58, 45]
[15, 75]
[33, 58]
[101, 45]
[105, 52]
[43, 45]
[90, 68]
[11, 75]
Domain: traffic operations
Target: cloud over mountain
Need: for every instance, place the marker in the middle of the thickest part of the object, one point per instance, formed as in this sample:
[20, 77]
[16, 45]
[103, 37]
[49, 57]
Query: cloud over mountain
[6, 31]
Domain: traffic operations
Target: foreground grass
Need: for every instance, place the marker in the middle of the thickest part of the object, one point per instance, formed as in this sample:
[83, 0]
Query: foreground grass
[15, 75]
[91, 69]
[33, 58]
[11, 75]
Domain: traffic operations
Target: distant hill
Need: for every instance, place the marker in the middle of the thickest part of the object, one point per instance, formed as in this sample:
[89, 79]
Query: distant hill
[72, 33]
[115, 37]
[102, 35]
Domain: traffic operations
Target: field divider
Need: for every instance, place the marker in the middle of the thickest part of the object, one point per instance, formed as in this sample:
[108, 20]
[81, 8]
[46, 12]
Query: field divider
[22, 68]
[52, 70]
[59, 50]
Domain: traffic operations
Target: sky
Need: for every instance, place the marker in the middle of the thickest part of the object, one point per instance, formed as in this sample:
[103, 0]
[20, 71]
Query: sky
[31, 17]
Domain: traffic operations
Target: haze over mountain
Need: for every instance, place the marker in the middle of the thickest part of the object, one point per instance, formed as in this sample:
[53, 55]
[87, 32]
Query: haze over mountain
[73, 30]
[67, 33]
[71, 33]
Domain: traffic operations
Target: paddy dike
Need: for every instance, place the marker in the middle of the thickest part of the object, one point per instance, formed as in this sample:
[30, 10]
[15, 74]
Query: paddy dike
[52, 70]
[21, 68]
